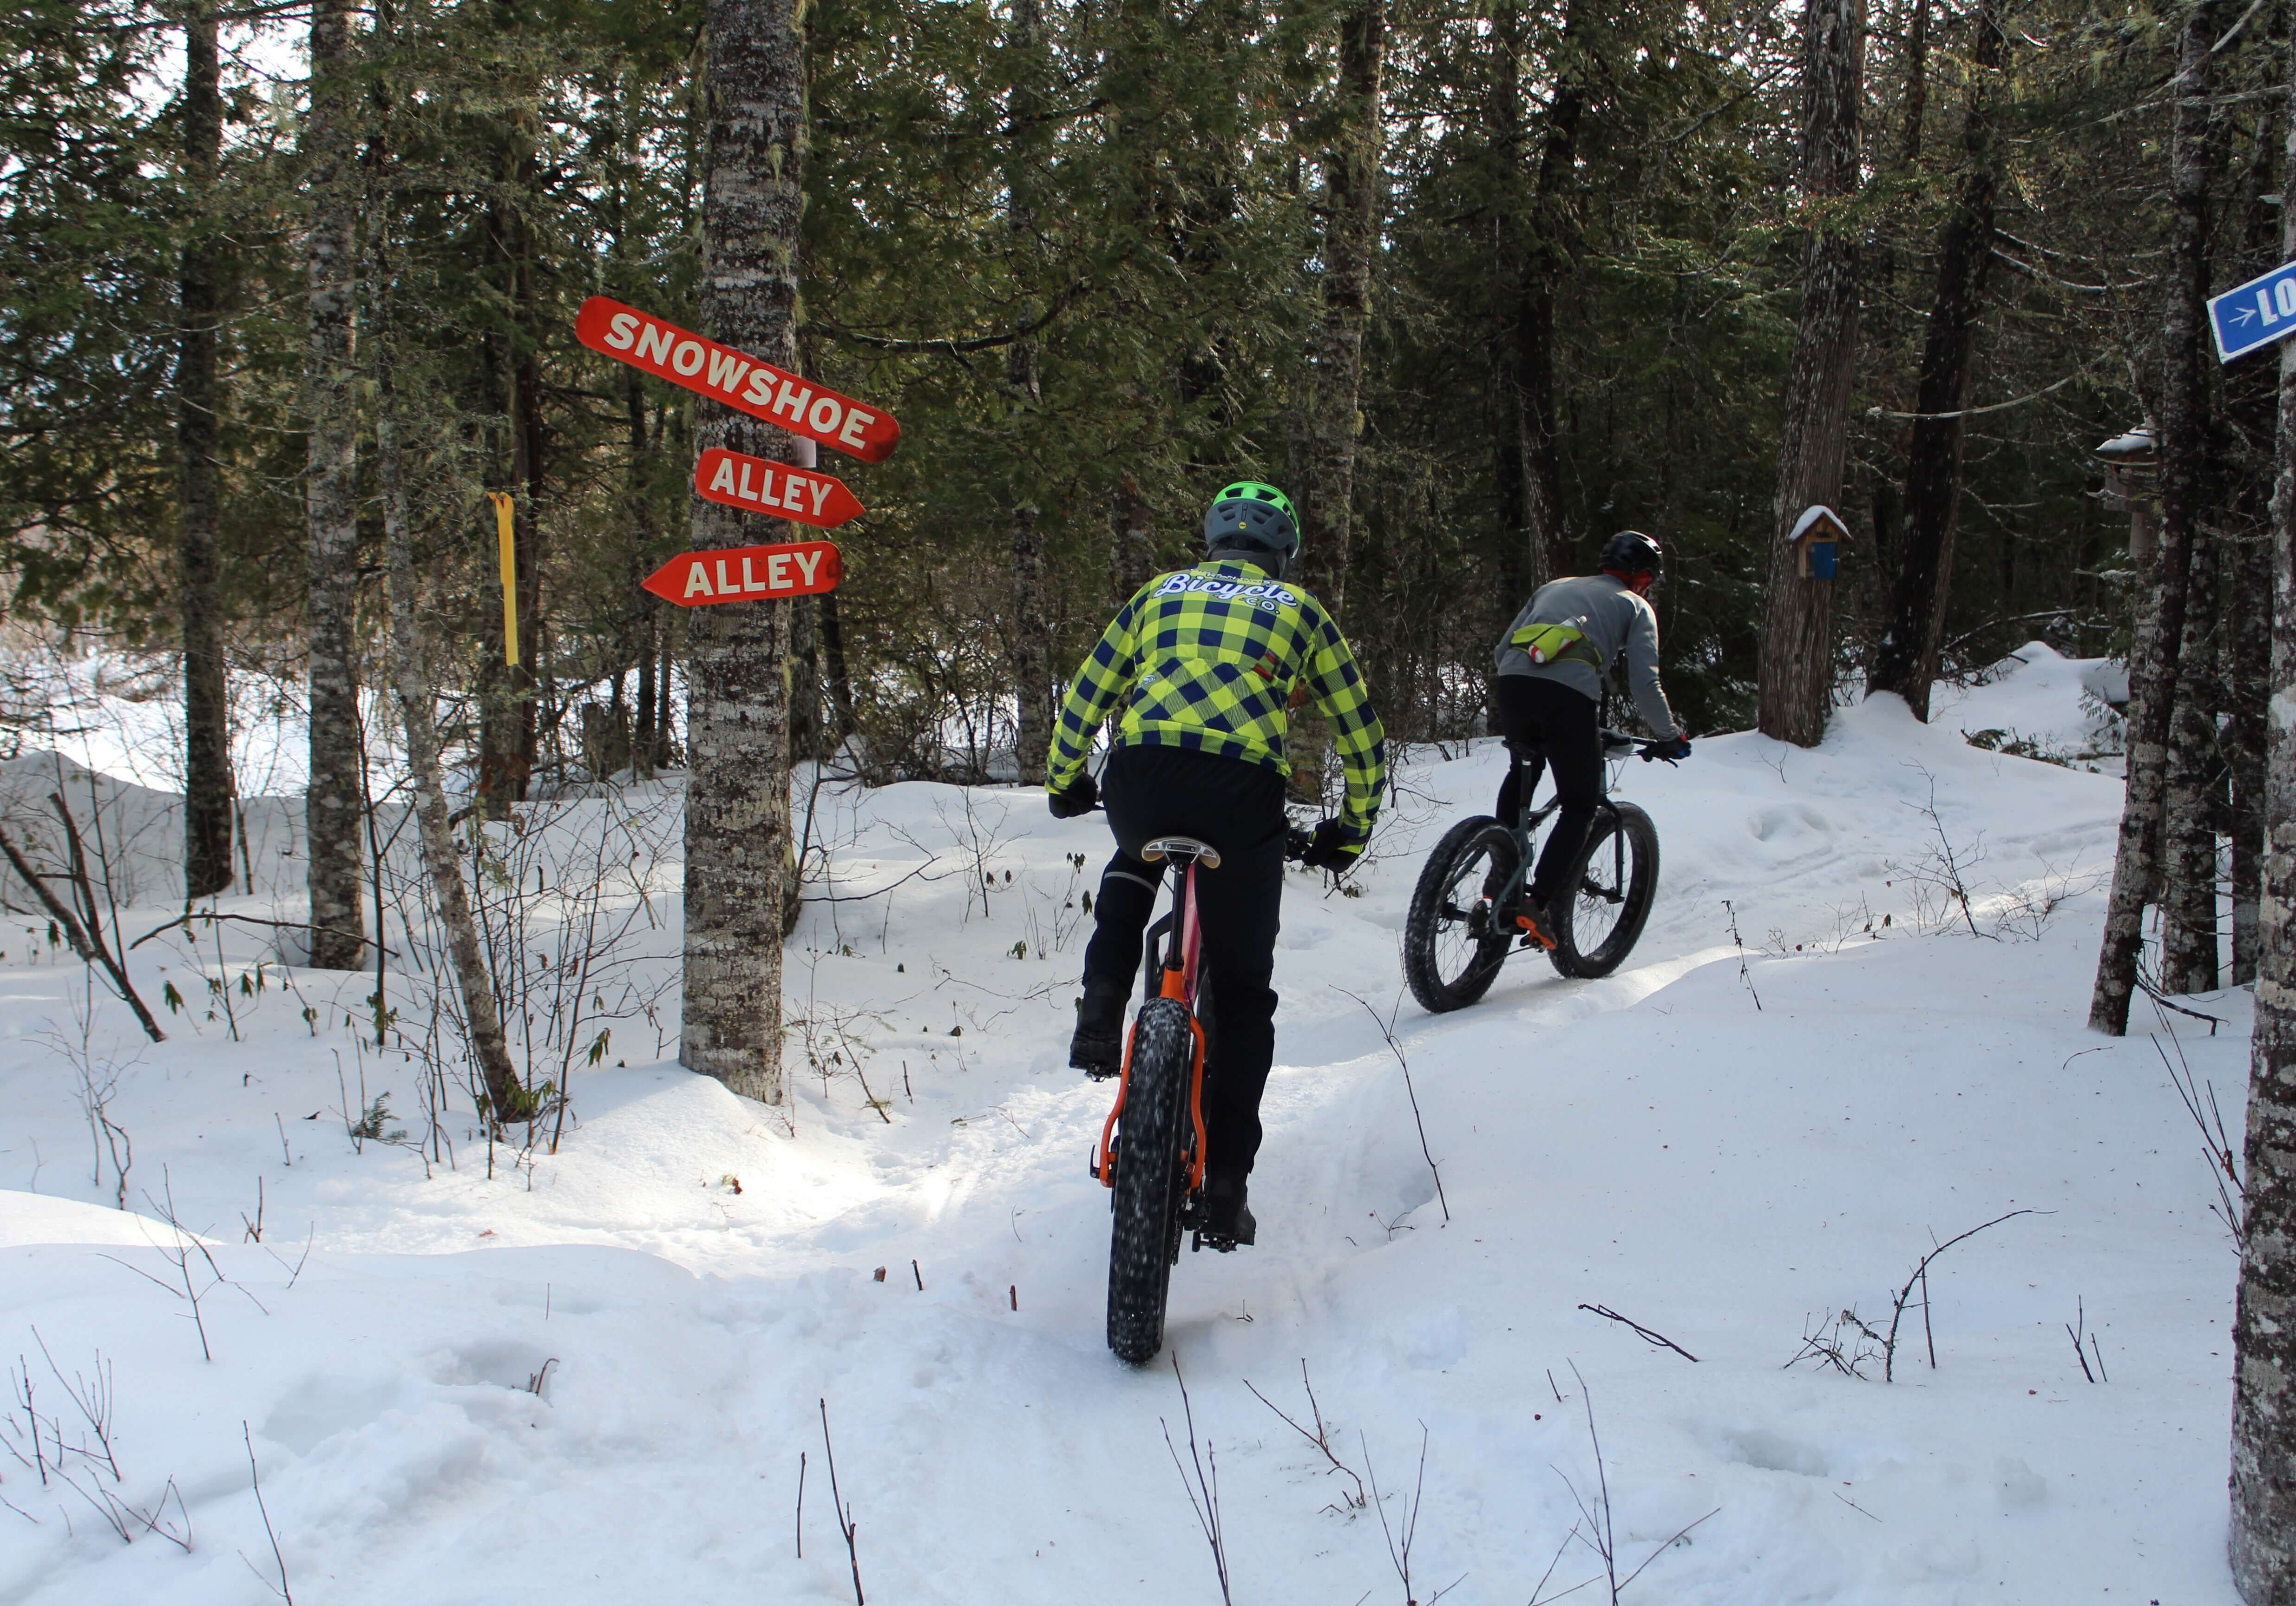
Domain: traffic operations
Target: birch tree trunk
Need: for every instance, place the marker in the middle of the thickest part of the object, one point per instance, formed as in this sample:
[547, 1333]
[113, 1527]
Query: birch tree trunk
[2160, 591]
[330, 507]
[507, 1100]
[208, 785]
[737, 813]
[2263, 1542]
[1796, 684]
[1907, 660]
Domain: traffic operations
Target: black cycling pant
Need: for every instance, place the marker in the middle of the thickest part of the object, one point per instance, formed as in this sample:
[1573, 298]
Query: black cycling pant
[1238, 808]
[1553, 726]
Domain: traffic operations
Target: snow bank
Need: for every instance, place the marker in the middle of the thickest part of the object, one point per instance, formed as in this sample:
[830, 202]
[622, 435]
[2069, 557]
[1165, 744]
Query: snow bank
[589, 1376]
[2041, 704]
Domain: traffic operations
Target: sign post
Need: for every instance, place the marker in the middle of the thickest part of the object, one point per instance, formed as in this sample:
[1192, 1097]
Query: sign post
[2252, 315]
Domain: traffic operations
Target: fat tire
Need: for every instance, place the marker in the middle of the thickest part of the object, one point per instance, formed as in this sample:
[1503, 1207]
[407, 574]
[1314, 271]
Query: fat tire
[1642, 888]
[1151, 1168]
[1420, 924]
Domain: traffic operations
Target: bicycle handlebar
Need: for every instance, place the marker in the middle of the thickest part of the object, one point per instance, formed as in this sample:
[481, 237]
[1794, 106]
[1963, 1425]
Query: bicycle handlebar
[1646, 749]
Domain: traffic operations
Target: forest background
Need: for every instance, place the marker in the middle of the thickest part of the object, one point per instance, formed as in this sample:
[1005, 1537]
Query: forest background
[1080, 250]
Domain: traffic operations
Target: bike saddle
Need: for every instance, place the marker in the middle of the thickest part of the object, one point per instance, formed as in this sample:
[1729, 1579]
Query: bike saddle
[1183, 848]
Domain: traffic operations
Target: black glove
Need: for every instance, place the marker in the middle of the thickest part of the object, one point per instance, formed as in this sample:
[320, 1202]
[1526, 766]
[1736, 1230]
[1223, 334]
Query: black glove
[1672, 749]
[1078, 797]
[1333, 847]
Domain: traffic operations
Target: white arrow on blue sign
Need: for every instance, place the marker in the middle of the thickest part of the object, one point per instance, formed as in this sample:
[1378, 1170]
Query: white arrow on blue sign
[2258, 313]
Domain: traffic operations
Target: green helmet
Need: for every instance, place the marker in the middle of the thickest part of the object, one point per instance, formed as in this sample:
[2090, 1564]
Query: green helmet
[1250, 516]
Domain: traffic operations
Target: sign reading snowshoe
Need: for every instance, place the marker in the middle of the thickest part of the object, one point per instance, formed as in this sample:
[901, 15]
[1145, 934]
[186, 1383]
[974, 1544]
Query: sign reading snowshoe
[803, 407]
[757, 485]
[748, 574]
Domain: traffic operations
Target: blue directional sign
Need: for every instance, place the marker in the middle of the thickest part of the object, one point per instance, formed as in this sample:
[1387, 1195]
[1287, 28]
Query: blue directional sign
[2258, 313]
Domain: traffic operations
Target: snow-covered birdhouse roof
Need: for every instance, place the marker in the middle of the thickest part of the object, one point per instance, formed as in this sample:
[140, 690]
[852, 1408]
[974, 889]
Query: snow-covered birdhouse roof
[1820, 523]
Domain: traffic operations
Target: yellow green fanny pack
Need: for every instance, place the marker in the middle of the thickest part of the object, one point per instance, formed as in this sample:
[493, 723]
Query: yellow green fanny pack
[1546, 644]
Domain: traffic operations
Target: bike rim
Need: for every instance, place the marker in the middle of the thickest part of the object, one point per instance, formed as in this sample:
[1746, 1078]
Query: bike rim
[1600, 907]
[1466, 937]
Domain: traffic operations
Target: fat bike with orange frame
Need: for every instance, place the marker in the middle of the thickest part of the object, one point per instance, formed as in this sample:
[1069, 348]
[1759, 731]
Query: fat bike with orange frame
[1151, 1156]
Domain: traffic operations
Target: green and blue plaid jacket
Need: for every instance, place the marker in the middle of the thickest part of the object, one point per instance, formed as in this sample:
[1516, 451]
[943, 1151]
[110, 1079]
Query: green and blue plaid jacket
[1210, 655]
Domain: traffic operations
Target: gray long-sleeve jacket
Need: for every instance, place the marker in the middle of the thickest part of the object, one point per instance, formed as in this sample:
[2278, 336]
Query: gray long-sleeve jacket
[1615, 621]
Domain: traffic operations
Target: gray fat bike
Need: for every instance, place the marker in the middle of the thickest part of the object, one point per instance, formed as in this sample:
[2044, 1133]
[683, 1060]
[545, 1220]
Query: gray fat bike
[1461, 927]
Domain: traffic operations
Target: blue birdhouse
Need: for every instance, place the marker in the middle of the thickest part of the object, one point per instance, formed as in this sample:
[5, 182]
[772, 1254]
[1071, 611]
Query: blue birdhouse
[1818, 537]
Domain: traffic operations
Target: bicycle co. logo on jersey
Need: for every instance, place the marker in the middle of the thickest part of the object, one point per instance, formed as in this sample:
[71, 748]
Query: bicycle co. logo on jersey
[1266, 595]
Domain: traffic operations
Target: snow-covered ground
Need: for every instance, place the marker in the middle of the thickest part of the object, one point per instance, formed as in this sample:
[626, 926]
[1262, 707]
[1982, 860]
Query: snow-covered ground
[591, 1375]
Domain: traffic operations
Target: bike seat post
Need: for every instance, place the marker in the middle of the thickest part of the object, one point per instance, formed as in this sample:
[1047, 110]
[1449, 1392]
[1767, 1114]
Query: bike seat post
[1185, 853]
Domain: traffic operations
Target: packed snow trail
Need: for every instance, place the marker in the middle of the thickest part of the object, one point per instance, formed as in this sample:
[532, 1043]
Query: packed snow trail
[687, 1277]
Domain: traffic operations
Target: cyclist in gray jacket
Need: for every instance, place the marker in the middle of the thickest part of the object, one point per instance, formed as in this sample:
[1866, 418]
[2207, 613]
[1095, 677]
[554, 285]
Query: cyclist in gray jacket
[1551, 668]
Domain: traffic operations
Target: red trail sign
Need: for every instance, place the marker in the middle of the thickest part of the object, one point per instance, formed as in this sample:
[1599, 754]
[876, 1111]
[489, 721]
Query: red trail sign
[748, 574]
[757, 485]
[803, 407]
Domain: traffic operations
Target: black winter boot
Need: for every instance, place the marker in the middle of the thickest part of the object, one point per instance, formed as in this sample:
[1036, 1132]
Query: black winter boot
[1228, 1219]
[1097, 1048]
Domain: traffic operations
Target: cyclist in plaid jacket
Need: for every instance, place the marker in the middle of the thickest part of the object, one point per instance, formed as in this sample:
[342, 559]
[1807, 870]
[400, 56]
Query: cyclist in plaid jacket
[1212, 659]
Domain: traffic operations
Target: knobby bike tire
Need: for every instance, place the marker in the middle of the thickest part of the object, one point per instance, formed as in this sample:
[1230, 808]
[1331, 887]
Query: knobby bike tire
[1435, 919]
[1151, 1172]
[1598, 868]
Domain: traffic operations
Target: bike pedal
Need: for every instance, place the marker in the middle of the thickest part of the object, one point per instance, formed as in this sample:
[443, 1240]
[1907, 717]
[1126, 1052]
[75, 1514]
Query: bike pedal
[1532, 933]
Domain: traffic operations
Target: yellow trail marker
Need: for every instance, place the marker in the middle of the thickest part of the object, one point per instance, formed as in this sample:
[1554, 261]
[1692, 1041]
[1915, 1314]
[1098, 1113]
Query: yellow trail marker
[507, 541]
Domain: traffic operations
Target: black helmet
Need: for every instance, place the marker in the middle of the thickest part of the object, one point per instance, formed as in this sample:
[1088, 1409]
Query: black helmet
[1253, 517]
[1630, 552]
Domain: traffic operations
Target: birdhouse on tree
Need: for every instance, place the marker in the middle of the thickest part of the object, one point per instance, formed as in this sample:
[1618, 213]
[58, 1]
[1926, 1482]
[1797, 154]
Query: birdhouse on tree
[1818, 537]
[2132, 466]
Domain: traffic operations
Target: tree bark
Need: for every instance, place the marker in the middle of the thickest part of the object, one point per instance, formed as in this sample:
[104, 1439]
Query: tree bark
[208, 787]
[1333, 421]
[839, 678]
[808, 732]
[1546, 548]
[1908, 660]
[737, 819]
[645, 608]
[1351, 185]
[1132, 525]
[1027, 648]
[2188, 907]
[2249, 623]
[1917, 81]
[330, 507]
[2162, 585]
[1796, 685]
[2263, 1539]
[507, 1098]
